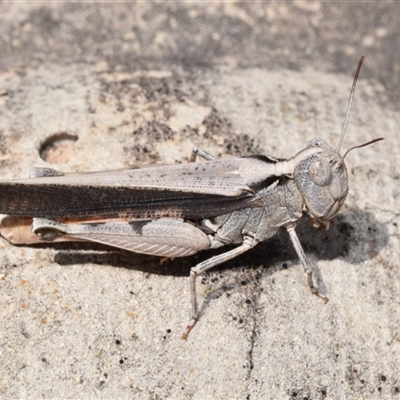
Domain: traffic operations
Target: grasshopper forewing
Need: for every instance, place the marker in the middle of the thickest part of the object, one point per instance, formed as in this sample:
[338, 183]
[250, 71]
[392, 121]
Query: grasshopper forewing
[178, 210]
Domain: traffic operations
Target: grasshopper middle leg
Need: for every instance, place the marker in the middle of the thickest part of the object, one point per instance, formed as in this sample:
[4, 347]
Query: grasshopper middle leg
[248, 243]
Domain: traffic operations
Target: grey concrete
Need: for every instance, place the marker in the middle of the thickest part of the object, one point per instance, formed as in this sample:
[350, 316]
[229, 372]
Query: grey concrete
[143, 83]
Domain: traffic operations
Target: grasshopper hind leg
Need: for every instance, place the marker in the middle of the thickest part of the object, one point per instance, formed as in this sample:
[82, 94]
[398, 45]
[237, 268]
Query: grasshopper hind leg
[164, 237]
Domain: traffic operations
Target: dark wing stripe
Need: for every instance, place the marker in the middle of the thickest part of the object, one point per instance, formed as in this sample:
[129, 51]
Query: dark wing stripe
[60, 201]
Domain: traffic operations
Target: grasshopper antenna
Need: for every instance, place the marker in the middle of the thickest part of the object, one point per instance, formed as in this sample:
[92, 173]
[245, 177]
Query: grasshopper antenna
[361, 145]
[346, 119]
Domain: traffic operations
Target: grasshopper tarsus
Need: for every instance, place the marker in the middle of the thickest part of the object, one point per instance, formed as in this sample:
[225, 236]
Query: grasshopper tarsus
[188, 329]
[314, 290]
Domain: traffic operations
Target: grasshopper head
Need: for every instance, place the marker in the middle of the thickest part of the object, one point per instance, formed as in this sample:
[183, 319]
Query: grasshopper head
[321, 178]
[320, 172]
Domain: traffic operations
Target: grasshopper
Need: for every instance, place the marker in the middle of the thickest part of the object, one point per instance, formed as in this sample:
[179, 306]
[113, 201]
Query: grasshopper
[178, 210]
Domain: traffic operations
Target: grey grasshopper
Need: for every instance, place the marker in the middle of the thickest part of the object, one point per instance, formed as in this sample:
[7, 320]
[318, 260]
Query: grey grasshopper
[178, 210]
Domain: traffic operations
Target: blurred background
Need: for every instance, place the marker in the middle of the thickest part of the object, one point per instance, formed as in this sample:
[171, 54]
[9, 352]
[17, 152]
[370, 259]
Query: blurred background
[187, 36]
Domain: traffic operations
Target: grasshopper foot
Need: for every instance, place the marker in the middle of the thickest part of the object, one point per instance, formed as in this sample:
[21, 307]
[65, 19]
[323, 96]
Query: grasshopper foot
[314, 290]
[191, 325]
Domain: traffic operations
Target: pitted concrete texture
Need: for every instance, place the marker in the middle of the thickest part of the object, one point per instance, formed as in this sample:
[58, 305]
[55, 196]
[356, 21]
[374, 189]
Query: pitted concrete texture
[142, 83]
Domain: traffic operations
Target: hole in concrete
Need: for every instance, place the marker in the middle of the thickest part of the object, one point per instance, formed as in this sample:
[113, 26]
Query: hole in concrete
[58, 148]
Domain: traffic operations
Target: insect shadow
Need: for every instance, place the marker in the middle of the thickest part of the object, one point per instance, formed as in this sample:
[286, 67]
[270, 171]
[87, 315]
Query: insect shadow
[355, 236]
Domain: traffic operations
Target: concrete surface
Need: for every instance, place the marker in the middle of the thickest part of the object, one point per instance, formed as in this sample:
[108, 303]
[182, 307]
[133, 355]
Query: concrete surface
[144, 82]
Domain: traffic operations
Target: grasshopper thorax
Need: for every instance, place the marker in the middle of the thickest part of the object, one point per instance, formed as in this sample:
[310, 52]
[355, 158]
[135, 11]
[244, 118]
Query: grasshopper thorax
[321, 178]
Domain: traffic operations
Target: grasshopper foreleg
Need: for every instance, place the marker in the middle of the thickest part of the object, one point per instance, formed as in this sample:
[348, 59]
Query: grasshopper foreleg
[248, 243]
[304, 260]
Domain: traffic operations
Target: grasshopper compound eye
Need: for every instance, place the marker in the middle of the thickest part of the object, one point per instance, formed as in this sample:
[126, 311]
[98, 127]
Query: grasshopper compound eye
[320, 171]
